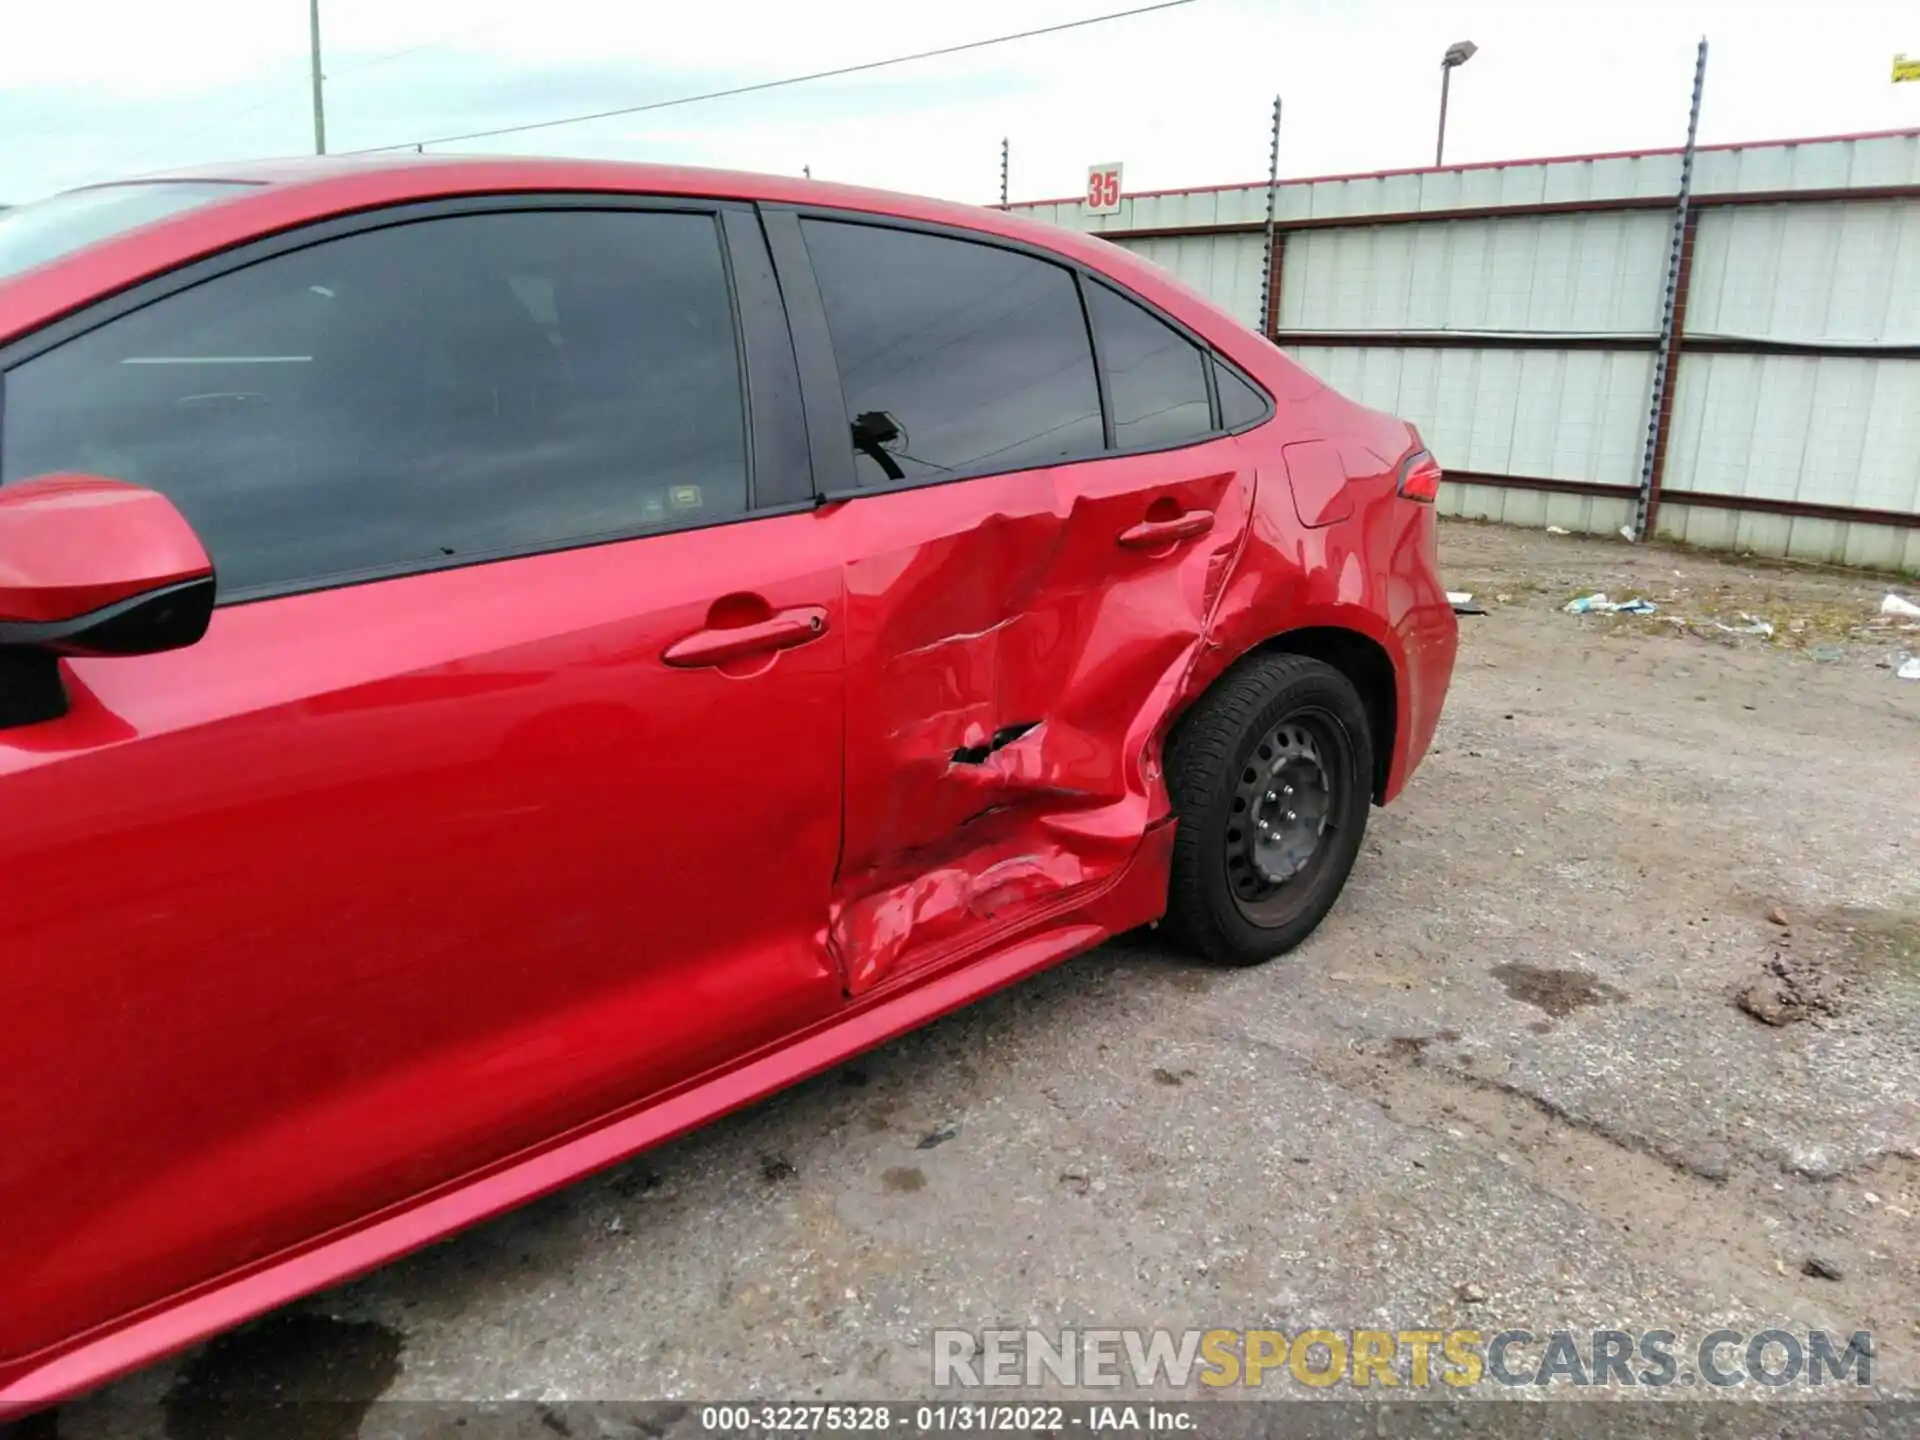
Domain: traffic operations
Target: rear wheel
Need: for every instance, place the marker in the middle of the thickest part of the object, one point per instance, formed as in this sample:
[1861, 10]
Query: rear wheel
[1271, 778]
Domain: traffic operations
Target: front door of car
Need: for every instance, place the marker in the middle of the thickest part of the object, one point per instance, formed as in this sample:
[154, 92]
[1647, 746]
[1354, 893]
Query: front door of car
[503, 790]
[1019, 594]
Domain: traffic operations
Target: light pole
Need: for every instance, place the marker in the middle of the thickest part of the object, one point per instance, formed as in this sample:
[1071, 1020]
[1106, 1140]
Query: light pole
[319, 100]
[1457, 55]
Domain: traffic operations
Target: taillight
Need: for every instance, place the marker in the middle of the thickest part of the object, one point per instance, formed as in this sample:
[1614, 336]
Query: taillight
[1420, 478]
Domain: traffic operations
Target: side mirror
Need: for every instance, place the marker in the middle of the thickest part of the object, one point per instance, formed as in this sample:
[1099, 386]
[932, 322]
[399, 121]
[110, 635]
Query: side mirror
[90, 566]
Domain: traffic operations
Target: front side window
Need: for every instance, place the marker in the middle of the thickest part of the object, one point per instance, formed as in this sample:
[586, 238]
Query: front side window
[1156, 377]
[954, 357]
[414, 396]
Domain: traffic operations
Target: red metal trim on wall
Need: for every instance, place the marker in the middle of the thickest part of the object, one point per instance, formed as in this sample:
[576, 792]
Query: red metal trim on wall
[1798, 509]
[1539, 482]
[1498, 165]
[1545, 340]
[1463, 340]
[1757, 504]
[1723, 200]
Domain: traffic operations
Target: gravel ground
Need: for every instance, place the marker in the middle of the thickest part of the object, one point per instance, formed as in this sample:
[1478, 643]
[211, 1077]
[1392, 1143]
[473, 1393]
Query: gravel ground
[1506, 1084]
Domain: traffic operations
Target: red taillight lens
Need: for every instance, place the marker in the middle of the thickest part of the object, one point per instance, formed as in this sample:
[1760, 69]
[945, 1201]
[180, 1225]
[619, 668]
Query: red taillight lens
[1420, 478]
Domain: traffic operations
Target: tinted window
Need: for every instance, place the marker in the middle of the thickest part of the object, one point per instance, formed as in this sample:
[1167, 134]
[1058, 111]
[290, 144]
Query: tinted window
[416, 395]
[954, 357]
[1156, 378]
[1240, 403]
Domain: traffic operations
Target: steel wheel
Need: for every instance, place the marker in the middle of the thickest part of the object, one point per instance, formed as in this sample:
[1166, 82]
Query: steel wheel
[1271, 776]
[1284, 804]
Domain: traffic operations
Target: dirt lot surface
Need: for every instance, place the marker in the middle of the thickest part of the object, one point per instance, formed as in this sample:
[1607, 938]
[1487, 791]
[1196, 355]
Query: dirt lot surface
[1506, 1084]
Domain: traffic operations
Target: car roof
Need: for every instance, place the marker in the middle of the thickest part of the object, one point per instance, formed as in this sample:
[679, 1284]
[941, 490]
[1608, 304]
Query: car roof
[275, 195]
[562, 171]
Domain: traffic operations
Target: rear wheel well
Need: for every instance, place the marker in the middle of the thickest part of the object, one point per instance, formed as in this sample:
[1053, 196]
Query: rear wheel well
[1364, 663]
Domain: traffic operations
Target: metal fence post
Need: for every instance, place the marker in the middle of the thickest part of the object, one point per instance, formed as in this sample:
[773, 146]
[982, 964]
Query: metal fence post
[1679, 257]
[1273, 190]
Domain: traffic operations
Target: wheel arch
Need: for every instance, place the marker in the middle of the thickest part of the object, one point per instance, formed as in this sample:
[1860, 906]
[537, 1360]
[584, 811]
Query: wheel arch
[1362, 659]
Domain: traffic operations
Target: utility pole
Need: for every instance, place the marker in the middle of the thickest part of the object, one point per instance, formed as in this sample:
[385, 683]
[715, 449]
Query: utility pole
[1003, 174]
[319, 100]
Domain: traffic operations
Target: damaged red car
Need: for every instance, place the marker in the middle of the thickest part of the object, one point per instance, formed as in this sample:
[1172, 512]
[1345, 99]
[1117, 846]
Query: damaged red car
[502, 661]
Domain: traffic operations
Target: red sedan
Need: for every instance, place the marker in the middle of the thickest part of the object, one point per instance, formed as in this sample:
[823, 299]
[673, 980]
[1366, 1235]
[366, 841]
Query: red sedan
[503, 661]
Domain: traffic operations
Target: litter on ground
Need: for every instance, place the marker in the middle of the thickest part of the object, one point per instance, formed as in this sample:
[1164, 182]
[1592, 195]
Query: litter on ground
[1601, 605]
[1899, 605]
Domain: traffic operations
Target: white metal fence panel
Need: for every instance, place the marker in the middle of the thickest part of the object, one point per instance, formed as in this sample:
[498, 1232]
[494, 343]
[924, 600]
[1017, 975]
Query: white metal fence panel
[1224, 268]
[1467, 327]
[1553, 414]
[1849, 270]
[1824, 430]
[1565, 274]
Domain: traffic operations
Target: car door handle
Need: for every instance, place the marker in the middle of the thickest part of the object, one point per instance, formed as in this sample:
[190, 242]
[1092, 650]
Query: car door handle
[1151, 534]
[777, 632]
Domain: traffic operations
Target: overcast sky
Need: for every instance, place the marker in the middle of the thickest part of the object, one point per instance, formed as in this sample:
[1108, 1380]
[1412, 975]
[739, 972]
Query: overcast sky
[97, 89]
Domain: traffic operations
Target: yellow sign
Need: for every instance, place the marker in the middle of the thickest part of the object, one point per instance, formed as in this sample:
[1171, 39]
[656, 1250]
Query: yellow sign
[1905, 69]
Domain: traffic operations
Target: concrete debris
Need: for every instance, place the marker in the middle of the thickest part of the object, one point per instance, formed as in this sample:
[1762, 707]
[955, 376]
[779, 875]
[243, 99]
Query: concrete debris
[1792, 990]
[938, 1136]
[1821, 1268]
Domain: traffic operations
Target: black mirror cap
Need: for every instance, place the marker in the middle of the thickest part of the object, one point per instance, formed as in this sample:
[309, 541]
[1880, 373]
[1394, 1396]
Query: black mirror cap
[31, 688]
[169, 618]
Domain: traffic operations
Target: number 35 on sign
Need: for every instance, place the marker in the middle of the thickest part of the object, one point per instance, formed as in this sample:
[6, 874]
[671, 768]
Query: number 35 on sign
[1103, 189]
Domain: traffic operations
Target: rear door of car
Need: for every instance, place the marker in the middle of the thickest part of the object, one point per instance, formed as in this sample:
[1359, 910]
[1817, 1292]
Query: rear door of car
[504, 789]
[1020, 592]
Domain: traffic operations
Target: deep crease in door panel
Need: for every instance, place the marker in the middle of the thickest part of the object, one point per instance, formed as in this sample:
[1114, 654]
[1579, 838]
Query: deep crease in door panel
[1035, 619]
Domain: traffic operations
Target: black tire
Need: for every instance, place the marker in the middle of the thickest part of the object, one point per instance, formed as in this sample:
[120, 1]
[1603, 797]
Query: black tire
[1225, 901]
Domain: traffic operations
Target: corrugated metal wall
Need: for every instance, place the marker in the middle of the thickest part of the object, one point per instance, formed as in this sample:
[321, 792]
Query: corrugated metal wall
[1522, 343]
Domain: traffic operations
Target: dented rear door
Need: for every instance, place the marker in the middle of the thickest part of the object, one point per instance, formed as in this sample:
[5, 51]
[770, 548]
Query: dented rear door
[1022, 599]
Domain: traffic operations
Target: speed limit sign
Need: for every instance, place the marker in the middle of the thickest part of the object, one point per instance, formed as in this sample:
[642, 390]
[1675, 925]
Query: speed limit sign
[1103, 189]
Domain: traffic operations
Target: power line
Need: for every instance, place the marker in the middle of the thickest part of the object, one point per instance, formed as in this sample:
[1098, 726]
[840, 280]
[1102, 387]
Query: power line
[330, 77]
[438, 44]
[776, 84]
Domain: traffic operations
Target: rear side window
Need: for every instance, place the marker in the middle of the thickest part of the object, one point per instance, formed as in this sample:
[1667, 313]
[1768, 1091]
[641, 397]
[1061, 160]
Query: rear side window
[1156, 377]
[1240, 403]
[416, 396]
[954, 357]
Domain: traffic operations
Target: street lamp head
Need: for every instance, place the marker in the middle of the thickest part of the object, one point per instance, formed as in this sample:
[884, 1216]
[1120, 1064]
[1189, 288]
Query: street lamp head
[1458, 53]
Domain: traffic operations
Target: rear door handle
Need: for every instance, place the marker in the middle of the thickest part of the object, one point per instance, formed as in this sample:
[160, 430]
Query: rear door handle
[778, 632]
[1151, 534]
